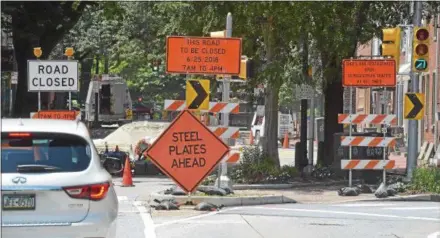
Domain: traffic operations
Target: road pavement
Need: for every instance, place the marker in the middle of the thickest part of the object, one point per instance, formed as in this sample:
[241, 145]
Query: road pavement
[356, 219]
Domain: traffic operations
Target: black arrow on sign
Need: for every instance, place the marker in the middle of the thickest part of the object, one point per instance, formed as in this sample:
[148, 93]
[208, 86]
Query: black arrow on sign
[418, 106]
[201, 95]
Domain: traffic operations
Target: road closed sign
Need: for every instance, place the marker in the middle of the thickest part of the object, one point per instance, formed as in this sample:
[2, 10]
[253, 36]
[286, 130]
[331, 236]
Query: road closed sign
[187, 151]
[368, 73]
[203, 55]
[53, 76]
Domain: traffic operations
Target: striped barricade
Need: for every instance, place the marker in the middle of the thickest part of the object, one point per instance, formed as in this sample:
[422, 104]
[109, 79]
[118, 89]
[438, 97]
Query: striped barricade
[368, 141]
[233, 157]
[356, 164]
[226, 132]
[214, 107]
[376, 119]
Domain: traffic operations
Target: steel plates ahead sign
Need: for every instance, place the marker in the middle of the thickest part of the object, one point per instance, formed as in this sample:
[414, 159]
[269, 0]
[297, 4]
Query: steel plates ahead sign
[187, 151]
[368, 73]
[203, 55]
[53, 76]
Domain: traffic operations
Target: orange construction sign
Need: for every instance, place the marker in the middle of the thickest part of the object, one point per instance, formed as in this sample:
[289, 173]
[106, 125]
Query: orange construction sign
[56, 114]
[187, 151]
[368, 73]
[203, 55]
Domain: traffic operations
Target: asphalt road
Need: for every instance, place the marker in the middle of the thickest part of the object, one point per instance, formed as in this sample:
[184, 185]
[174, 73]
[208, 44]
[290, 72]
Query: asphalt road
[367, 219]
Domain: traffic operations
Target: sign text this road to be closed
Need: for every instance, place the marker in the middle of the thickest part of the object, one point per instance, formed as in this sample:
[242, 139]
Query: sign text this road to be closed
[52, 76]
[203, 55]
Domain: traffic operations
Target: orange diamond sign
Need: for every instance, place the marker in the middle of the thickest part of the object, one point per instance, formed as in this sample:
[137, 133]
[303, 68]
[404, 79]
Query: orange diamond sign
[187, 151]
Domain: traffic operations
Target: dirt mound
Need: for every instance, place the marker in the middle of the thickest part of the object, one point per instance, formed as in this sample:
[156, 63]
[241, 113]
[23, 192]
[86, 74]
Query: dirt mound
[130, 134]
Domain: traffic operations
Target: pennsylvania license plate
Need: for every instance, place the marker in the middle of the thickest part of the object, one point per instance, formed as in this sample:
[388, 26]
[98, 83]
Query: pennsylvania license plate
[18, 202]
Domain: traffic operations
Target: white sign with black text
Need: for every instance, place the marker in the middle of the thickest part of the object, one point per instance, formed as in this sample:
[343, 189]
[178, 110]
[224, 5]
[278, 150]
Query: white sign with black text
[53, 76]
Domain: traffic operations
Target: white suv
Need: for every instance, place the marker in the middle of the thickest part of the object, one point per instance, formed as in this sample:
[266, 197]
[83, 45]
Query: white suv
[53, 183]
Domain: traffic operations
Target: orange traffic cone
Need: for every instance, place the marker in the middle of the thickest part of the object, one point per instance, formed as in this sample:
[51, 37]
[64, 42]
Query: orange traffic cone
[251, 139]
[286, 141]
[127, 180]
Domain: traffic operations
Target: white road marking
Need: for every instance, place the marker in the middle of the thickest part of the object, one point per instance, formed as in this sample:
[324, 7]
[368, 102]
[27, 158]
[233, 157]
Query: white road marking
[195, 217]
[348, 213]
[412, 208]
[149, 230]
[434, 235]
[212, 222]
[365, 205]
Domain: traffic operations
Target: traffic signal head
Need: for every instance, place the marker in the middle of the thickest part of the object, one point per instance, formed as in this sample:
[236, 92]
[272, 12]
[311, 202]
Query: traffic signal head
[246, 68]
[420, 49]
[391, 43]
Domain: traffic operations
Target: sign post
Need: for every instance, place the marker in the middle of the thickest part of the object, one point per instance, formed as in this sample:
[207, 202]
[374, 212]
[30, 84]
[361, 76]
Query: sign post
[366, 73]
[207, 56]
[187, 151]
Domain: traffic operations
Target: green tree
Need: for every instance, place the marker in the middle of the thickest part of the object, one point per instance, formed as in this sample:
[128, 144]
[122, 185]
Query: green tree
[36, 24]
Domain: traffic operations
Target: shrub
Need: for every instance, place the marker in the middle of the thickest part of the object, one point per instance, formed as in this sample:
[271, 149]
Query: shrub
[426, 180]
[257, 168]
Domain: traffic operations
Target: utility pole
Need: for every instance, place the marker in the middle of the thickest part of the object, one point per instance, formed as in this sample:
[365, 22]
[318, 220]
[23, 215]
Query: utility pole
[436, 80]
[411, 160]
[223, 179]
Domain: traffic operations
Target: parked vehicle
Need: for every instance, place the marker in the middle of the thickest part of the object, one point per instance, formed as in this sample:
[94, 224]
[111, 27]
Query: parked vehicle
[285, 125]
[108, 102]
[53, 181]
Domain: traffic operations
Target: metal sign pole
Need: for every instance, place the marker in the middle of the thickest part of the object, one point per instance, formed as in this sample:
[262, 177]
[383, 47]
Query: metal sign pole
[225, 98]
[411, 161]
[39, 100]
[350, 172]
[384, 130]
[70, 101]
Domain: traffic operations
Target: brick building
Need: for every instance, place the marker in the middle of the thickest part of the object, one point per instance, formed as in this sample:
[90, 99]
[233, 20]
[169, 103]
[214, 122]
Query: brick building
[429, 83]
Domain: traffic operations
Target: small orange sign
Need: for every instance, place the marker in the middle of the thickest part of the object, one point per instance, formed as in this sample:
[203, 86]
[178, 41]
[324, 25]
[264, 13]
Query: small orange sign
[203, 55]
[368, 73]
[187, 151]
[56, 114]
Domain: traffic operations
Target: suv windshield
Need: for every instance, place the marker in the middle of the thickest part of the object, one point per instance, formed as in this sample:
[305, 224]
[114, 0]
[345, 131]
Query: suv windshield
[68, 153]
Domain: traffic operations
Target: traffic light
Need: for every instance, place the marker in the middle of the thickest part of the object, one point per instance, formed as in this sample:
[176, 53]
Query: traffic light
[391, 44]
[420, 49]
[246, 68]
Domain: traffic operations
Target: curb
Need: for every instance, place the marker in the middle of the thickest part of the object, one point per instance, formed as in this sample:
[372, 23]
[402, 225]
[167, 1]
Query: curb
[228, 201]
[286, 186]
[408, 198]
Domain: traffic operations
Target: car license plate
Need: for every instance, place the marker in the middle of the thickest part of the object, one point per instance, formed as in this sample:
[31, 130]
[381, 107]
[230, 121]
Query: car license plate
[18, 202]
